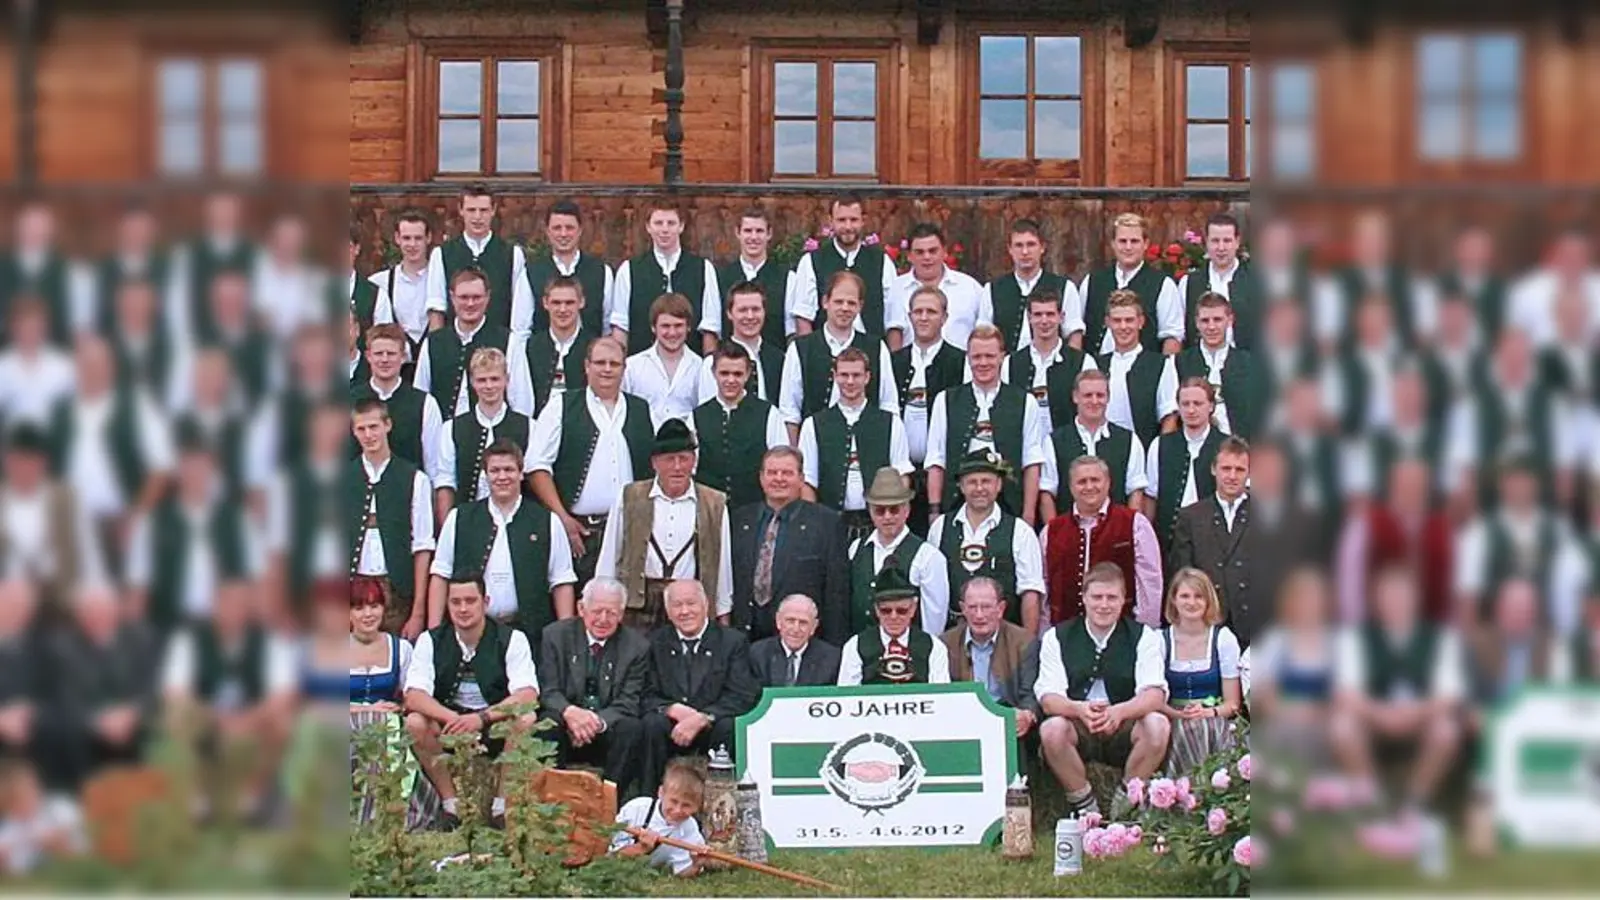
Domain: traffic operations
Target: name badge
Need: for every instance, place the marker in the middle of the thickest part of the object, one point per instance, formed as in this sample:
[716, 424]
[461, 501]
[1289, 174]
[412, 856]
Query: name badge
[498, 582]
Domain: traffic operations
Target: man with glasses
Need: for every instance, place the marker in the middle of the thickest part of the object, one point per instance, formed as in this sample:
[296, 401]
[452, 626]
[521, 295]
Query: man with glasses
[892, 652]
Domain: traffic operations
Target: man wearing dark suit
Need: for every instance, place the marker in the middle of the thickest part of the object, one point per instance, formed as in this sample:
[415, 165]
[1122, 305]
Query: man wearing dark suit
[991, 651]
[592, 671]
[807, 554]
[697, 683]
[1281, 535]
[1214, 536]
[794, 657]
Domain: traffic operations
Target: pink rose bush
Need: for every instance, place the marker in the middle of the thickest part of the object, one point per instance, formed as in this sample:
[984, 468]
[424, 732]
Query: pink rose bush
[1163, 793]
[1217, 820]
[1220, 780]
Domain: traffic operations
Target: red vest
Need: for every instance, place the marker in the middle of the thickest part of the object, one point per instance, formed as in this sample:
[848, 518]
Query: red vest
[1064, 567]
[1430, 552]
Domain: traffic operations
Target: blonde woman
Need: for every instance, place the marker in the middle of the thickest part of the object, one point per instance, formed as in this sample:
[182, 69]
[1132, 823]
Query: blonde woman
[1202, 664]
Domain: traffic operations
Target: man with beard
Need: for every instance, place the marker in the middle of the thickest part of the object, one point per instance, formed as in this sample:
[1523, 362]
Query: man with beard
[846, 251]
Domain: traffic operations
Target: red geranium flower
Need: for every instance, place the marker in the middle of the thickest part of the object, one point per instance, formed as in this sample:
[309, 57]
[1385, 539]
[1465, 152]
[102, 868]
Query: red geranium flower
[1174, 249]
[1152, 252]
[958, 249]
[892, 252]
[950, 262]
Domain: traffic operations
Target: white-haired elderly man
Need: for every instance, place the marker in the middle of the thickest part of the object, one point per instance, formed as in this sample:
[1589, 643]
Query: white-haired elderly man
[593, 670]
[795, 656]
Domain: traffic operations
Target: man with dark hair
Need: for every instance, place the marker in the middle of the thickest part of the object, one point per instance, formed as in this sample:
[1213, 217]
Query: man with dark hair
[666, 374]
[1240, 380]
[414, 413]
[442, 366]
[808, 386]
[842, 443]
[848, 251]
[403, 287]
[666, 268]
[392, 531]
[1091, 434]
[1045, 365]
[508, 303]
[966, 304]
[1161, 328]
[1178, 465]
[1474, 277]
[140, 339]
[134, 258]
[747, 325]
[563, 229]
[1216, 535]
[1010, 296]
[221, 247]
[754, 268]
[1228, 277]
[556, 351]
[734, 429]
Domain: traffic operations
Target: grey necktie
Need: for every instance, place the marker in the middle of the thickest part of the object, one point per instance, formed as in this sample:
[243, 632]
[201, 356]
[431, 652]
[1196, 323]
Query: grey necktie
[794, 669]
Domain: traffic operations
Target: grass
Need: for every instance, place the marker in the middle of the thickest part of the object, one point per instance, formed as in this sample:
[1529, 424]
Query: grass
[1510, 872]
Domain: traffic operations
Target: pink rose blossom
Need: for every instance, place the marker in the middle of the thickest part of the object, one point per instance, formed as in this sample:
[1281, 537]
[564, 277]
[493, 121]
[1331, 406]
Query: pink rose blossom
[1190, 801]
[1135, 834]
[827, 231]
[1217, 820]
[1136, 791]
[1220, 779]
[1245, 767]
[1283, 820]
[872, 240]
[1184, 787]
[1241, 851]
[811, 244]
[1094, 843]
[1092, 820]
[1163, 793]
[1191, 237]
[1327, 792]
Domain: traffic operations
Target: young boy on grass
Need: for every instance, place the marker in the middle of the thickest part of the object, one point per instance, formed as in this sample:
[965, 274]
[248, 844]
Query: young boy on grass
[33, 826]
[669, 814]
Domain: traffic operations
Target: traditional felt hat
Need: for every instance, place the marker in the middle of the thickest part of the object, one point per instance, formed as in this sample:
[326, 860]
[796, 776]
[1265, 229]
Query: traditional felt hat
[983, 461]
[673, 436]
[892, 584]
[888, 488]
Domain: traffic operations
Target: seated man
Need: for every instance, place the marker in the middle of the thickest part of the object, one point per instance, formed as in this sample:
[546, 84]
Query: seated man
[105, 684]
[1399, 681]
[26, 732]
[698, 682]
[230, 683]
[466, 675]
[795, 656]
[594, 674]
[992, 651]
[1102, 685]
[892, 652]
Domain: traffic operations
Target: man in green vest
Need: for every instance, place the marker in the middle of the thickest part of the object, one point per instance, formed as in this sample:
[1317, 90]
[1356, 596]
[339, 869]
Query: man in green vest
[986, 414]
[1227, 276]
[1357, 377]
[978, 538]
[1161, 329]
[508, 302]
[442, 366]
[847, 250]
[403, 287]
[1102, 687]
[135, 258]
[924, 368]
[891, 651]
[517, 546]
[585, 447]
[1474, 277]
[1010, 295]
[220, 248]
[1177, 467]
[306, 521]
[734, 430]
[1242, 402]
[358, 292]
[1401, 680]
[1090, 434]
[252, 351]
[1144, 384]
[140, 340]
[748, 324]
[218, 416]
[414, 413]
[754, 268]
[1373, 273]
[840, 444]
[37, 269]
[556, 351]
[808, 386]
[1046, 365]
[466, 675]
[391, 528]
[667, 268]
[892, 542]
[563, 229]
[279, 427]
[464, 441]
[230, 678]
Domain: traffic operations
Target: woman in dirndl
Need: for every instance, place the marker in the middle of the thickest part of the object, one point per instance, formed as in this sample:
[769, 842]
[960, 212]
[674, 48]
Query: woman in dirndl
[1202, 663]
[377, 661]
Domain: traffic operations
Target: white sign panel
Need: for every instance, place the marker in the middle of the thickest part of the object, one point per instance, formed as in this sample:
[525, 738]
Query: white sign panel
[1544, 768]
[879, 766]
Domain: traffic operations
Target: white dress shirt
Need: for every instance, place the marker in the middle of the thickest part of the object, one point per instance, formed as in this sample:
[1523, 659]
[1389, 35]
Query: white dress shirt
[1033, 434]
[1531, 305]
[611, 466]
[1041, 380]
[499, 577]
[791, 396]
[519, 383]
[967, 303]
[1563, 584]
[854, 486]
[1215, 361]
[1220, 283]
[1119, 409]
[521, 294]
[521, 673]
[200, 578]
[1133, 478]
[671, 395]
[1071, 306]
[89, 465]
[407, 306]
[432, 425]
[927, 572]
[1149, 668]
[1169, 307]
[710, 297]
[1152, 465]
[286, 296]
[30, 548]
[372, 561]
[850, 671]
[31, 386]
[915, 413]
[445, 475]
[751, 270]
[672, 528]
[1025, 549]
[807, 299]
[1449, 666]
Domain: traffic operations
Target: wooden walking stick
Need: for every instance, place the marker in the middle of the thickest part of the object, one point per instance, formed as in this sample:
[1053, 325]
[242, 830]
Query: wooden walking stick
[729, 858]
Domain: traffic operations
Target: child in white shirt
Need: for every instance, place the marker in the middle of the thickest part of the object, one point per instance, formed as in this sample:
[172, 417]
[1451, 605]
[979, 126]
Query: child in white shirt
[669, 814]
[34, 826]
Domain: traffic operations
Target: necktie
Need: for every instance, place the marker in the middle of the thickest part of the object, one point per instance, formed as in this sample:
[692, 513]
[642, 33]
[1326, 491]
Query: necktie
[794, 669]
[895, 646]
[596, 650]
[762, 584]
[690, 648]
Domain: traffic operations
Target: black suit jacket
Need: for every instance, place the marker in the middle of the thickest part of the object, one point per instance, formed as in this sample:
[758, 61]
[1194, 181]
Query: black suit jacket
[769, 663]
[716, 681]
[1201, 539]
[810, 560]
[563, 670]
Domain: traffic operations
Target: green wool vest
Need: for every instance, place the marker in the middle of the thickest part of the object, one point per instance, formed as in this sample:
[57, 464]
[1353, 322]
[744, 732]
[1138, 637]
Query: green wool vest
[110, 274]
[541, 350]
[946, 370]
[1011, 305]
[1396, 286]
[646, 282]
[591, 275]
[1489, 301]
[1505, 563]
[528, 539]
[772, 277]
[488, 666]
[1244, 387]
[816, 369]
[314, 504]
[122, 433]
[1172, 458]
[1500, 432]
[393, 494]
[870, 260]
[1412, 665]
[1114, 448]
[227, 445]
[363, 301]
[871, 432]
[1244, 295]
[862, 574]
[1143, 382]
[204, 265]
[251, 356]
[448, 358]
[961, 426]
[876, 670]
[405, 407]
[245, 666]
[48, 284]
[995, 558]
[1147, 284]
[1086, 664]
[497, 262]
[471, 439]
[152, 369]
[1056, 395]
[579, 435]
[171, 540]
[731, 447]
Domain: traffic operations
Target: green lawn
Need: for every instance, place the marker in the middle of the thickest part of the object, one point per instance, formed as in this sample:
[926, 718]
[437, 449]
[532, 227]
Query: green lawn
[1512, 872]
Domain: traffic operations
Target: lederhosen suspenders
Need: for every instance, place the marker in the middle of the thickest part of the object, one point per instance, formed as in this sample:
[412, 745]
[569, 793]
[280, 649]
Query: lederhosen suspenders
[668, 568]
[414, 348]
